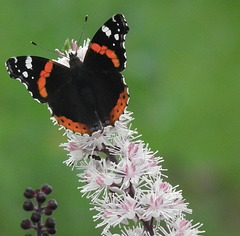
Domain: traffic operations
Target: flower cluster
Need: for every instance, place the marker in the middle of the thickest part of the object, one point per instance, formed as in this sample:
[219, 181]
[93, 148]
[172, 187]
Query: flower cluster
[125, 180]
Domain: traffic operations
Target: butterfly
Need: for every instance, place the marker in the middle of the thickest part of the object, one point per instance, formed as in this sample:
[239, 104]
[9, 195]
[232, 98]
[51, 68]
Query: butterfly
[83, 96]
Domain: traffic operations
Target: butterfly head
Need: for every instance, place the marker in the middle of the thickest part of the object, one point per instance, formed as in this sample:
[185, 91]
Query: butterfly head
[74, 60]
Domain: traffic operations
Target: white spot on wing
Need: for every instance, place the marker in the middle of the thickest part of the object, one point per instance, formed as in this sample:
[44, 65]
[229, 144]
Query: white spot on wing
[50, 109]
[18, 79]
[106, 30]
[29, 63]
[125, 64]
[25, 74]
[116, 36]
[35, 98]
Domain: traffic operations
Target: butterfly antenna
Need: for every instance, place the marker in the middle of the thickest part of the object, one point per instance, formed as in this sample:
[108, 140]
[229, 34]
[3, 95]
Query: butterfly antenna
[47, 49]
[84, 25]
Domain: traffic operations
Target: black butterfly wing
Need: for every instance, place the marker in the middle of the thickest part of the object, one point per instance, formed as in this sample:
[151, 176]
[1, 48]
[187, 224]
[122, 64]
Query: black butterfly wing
[41, 76]
[106, 58]
[107, 48]
[52, 83]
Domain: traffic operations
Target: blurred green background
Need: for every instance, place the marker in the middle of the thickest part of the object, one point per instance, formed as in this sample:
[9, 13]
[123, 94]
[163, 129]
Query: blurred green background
[184, 77]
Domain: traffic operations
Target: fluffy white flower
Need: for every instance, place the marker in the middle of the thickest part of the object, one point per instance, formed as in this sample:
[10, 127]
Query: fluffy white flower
[181, 227]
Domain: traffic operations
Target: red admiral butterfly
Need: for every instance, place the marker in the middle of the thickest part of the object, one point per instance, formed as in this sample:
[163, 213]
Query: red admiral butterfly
[86, 95]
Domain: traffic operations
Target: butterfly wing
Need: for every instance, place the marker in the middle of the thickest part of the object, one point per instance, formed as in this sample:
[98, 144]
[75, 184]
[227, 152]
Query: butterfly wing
[39, 75]
[106, 58]
[52, 83]
[107, 49]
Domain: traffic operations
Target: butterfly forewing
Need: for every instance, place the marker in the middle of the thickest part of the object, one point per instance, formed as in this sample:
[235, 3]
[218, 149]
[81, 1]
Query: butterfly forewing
[41, 76]
[107, 49]
[27, 70]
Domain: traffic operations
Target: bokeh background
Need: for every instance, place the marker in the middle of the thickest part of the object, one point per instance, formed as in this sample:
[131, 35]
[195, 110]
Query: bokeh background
[184, 77]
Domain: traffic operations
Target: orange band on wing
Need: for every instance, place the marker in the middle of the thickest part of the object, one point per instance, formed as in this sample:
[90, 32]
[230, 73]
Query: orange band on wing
[42, 80]
[103, 50]
[118, 110]
[73, 126]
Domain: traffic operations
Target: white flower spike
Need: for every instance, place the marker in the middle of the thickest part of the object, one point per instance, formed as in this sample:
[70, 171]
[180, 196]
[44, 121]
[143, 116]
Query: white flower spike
[124, 179]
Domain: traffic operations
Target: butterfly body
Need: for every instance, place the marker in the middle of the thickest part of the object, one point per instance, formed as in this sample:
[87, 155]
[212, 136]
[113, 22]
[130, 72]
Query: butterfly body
[87, 95]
